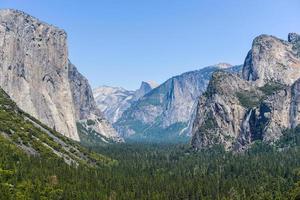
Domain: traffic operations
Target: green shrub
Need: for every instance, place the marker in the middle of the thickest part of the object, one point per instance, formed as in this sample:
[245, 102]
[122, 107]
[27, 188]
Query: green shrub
[270, 88]
[248, 99]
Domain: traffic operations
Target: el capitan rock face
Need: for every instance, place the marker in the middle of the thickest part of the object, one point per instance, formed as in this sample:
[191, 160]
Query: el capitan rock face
[34, 70]
[260, 105]
[36, 73]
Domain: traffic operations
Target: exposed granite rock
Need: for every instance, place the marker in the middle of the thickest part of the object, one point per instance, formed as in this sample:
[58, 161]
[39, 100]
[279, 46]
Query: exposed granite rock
[85, 106]
[236, 112]
[219, 112]
[272, 59]
[34, 70]
[165, 112]
[113, 101]
[294, 38]
[84, 102]
[146, 86]
[36, 73]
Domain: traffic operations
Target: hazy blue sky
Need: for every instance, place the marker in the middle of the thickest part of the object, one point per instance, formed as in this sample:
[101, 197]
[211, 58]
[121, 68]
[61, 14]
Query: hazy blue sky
[121, 43]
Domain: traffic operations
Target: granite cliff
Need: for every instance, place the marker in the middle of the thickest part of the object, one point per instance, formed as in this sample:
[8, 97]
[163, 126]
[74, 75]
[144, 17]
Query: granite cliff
[261, 105]
[37, 75]
[164, 113]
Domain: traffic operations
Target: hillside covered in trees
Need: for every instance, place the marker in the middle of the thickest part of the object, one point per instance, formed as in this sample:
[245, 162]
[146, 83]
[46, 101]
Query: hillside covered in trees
[156, 172]
[38, 163]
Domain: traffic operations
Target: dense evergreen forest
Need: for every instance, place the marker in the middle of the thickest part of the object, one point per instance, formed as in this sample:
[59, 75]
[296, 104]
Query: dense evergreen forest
[145, 171]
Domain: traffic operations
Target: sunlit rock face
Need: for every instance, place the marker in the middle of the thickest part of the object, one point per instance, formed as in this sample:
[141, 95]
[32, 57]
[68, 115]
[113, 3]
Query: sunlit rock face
[164, 113]
[34, 70]
[36, 73]
[236, 111]
[273, 59]
[113, 101]
[85, 106]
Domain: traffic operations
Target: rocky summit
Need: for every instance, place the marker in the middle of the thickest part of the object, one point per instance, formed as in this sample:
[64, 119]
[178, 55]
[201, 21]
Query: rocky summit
[86, 112]
[261, 105]
[36, 73]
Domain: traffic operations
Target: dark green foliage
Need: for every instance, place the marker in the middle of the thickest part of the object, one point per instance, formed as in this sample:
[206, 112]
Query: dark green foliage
[90, 122]
[38, 139]
[249, 99]
[154, 172]
[89, 137]
[154, 134]
[290, 138]
[270, 88]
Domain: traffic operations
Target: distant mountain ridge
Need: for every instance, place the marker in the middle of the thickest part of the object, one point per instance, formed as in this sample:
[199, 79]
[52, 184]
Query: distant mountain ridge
[164, 113]
[113, 101]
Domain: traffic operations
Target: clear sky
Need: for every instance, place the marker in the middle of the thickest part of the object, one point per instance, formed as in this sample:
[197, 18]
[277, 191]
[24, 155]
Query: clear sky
[122, 42]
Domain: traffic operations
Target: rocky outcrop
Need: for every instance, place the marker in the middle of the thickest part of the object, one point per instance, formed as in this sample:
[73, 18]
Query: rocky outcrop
[85, 106]
[36, 73]
[146, 86]
[113, 101]
[272, 59]
[219, 111]
[165, 112]
[84, 102]
[235, 112]
[34, 70]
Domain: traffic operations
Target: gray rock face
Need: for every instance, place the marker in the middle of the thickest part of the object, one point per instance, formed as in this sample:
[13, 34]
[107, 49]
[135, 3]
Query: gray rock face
[235, 112]
[294, 38]
[36, 73]
[34, 70]
[113, 101]
[84, 102]
[219, 115]
[165, 112]
[272, 59]
[85, 106]
[145, 87]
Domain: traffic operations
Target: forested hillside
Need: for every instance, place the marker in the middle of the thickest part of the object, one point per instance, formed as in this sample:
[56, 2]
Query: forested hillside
[33, 166]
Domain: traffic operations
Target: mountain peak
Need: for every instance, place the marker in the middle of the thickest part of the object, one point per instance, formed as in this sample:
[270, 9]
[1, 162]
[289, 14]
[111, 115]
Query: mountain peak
[223, 65]
[146, 86]
[285, 63]
[151, 84]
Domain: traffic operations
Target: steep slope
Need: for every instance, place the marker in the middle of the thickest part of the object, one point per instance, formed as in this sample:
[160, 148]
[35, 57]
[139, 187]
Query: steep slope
[23, 132]
[235, 112]
[164, 113]
[90, 121]
[146, 86]
[36, 73]
[272, 59]
[113, 101]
